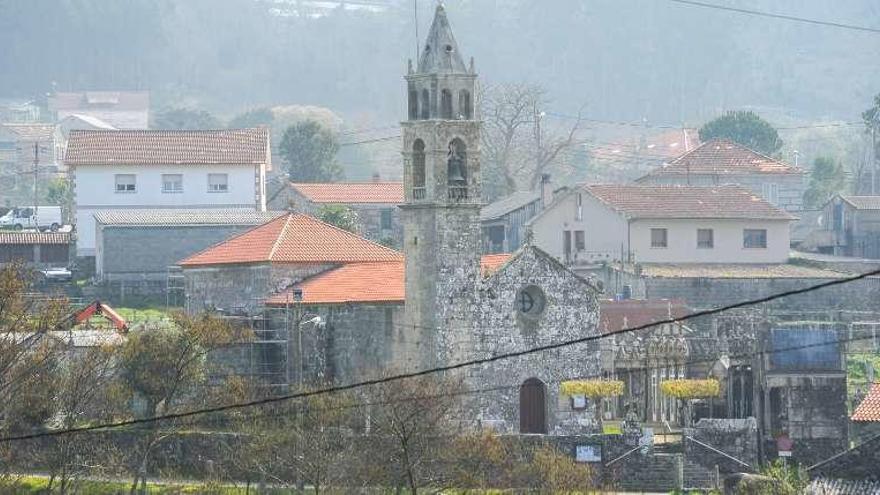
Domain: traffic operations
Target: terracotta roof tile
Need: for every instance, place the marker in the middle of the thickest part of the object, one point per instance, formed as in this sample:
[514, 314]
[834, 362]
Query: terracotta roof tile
[32, 132]
[640, 201]
[165, 147]
[869, 408]
[863, 202]
[722, 157]
[294, 238]
[351, 192]
[362, 283]
[34, 237]
[614, 316]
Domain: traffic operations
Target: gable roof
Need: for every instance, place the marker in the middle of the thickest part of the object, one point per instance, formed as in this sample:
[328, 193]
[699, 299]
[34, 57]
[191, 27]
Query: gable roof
[863, 202]
[721, 157]
[351, 192]
[683, 202]
[507, 204]
[167, 147]
[169, 217]
[381, 282]
[293, 238]
[869, 408]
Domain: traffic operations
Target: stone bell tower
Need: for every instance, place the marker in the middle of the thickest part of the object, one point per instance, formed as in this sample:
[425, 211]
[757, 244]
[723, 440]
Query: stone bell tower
[441, 156]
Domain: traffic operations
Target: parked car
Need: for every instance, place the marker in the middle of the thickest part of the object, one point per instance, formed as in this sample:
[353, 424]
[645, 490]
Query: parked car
[33, 217]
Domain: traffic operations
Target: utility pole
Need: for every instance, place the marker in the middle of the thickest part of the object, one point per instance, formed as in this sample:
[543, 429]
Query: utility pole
[874, 153]
[538, 168]
[36, 171]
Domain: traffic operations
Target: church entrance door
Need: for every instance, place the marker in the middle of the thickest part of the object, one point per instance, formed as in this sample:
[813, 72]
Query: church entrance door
[532, 407]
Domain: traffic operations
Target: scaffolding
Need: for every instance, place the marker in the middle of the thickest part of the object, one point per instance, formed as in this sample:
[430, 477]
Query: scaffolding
[267, 353]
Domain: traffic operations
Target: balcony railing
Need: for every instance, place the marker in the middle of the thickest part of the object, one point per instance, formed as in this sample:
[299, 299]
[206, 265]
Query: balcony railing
[419, 193]
[458, 193]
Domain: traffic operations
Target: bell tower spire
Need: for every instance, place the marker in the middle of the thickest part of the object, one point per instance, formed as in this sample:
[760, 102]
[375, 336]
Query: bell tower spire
[443, 187]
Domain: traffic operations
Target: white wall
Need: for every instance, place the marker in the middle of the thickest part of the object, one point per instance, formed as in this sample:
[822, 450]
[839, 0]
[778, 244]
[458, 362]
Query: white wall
[605, 231]
[95, 190]
[608, 236]
[728, 241]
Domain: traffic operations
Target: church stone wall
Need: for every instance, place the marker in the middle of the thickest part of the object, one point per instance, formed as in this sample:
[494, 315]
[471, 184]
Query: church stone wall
[571, 311]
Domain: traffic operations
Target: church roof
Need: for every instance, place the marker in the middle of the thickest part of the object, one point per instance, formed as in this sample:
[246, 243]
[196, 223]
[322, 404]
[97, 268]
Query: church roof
[440, 54]
[382, 282]
[293, 238]
[615, 316]
[869, 408]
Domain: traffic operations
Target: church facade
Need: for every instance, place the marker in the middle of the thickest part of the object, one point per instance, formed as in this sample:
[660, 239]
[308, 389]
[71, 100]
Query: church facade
[453, 311]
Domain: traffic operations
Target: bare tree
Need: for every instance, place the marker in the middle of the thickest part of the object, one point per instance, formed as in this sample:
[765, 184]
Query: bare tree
[516, 146]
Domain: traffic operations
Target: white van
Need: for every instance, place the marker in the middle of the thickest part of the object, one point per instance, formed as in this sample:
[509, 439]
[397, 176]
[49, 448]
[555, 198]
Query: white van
[30, 217]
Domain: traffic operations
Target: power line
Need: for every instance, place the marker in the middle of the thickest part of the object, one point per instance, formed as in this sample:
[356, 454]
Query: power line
[777, 16]
[442, 369]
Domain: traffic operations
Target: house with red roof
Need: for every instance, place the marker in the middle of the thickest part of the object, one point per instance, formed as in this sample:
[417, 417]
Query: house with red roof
[375, 204]
[722, 162]
[663, 224]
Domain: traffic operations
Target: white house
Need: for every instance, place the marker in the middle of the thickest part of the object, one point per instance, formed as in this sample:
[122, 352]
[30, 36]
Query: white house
[721, 161]
[663, 224]
[140, 169]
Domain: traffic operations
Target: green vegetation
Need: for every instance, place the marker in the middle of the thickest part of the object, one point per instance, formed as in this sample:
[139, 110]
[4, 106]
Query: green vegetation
[745, 128]
[827, 178]
[309, 152]
[339, 216]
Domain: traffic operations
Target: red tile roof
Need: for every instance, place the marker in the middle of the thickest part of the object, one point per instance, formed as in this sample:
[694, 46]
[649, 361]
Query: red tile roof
[34, 237]
[869, 409]
[638, 201]
[167, 147]
[351, 192]
[363, 283]
[722, 157]
[32, 132]
[294, 238]
[614, 316]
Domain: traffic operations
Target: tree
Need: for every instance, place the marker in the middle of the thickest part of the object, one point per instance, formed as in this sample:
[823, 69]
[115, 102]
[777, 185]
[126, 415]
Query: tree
[827, 178]
[186, 118]
[410, 422]
[745, 128]
[871, 118]
[340, 216]
[61, 194]
[165, 367]
[252, 118]
[309, 150]
[516, 148]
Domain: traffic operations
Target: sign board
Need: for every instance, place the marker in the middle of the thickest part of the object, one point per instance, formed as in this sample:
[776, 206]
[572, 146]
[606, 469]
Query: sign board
[784, 453]
[578, 402]
[588, 453]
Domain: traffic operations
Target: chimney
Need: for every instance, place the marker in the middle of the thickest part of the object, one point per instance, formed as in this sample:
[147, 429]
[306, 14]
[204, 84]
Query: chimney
[546, 191]
[377, 177]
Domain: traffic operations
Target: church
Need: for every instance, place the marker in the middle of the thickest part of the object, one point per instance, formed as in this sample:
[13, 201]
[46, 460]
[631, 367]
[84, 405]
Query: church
[437, 303]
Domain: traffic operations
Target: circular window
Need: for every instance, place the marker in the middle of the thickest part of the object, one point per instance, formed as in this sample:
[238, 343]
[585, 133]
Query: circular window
[530, 301]
[448, 48]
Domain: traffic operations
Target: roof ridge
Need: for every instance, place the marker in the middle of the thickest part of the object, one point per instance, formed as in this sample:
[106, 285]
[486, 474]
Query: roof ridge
[228, 239]
[279, 237]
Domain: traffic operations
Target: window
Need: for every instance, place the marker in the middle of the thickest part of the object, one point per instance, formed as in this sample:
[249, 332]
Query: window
[418, 169]
[218, 183]
[754, 238]
[705, 238]
[386, 219]
[425, 106]
[413, 105]
[445, 104]
[658, 238]
[125, 183]
[172, 183]
[465, 109]
[770, 192]
[579, 209]
[579, 242]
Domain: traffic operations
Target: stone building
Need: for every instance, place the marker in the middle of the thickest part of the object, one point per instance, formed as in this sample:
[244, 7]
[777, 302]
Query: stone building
[721, 161]
[452, 313]
[374, 203]
[851, 227]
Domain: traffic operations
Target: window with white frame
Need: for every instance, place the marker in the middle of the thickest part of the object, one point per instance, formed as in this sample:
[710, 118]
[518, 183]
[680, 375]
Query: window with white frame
[755, 238]
[172, 183]
[218, 183]
[125, 183]
[705, 238]
[659, 238]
